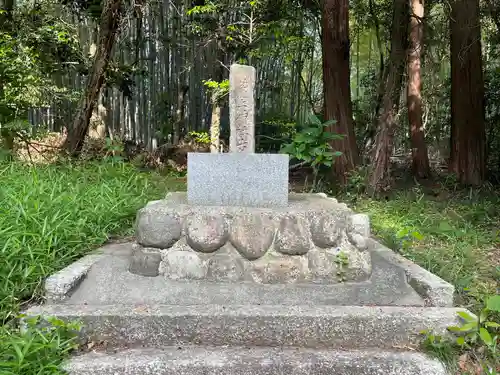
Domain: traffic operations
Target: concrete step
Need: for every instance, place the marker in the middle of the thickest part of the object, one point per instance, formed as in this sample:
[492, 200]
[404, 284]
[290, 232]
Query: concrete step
[254, 361]
[352, 327]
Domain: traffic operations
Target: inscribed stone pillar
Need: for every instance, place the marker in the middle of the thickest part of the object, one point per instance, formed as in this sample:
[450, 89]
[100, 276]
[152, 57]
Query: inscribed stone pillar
[242, 108]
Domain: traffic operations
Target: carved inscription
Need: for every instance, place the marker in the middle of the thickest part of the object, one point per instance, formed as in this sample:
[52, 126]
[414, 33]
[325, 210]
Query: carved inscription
[241, 108]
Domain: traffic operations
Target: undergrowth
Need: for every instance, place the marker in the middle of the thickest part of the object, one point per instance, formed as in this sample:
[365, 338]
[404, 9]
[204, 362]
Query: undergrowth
[457, 238]
[456, 235]
[50, 216]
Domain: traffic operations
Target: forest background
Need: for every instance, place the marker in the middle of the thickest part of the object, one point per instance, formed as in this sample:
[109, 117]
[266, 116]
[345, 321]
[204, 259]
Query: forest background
[386, 78]
[391, 105]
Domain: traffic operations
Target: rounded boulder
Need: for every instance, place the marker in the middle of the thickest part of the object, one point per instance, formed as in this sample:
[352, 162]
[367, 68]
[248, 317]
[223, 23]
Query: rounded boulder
[293, 236]
[157, 229]
[251, 235]
[325, 231]
[206, 233]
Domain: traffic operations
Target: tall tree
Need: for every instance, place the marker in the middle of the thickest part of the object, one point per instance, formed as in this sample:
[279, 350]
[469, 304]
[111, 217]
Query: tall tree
[420, 158]
[108, 30]
[468, 135]
[379, 178]
[336, 83]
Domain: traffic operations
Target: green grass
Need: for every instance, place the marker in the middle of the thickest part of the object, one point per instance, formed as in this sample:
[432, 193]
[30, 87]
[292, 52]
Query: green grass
[457, 238]
[50, 216]
[455, 235]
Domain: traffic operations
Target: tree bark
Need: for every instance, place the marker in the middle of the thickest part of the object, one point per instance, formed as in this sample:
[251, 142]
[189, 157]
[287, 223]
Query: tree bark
[215, 129]
[336, 83]
[468, 134]
[108, 30]
[179, 113]
[420, 158]
[379, 177]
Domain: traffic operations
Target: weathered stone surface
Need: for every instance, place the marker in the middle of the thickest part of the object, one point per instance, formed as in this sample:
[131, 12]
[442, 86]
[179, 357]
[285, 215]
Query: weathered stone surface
[252, 235]
[360, 223]
[206, 233]
[359, 265]
[325, 231]
[157, 229]
[107, 282]
[435, 290]
[279, 270]
[180, 245]
[242, 108]
[244, 325]
[59, 285]
[322, 265]
[358, 240]
[145, 261]
[180, 264]
[293, 236]
[249, 234]
[224, 267]
[257, 361]
[238, 179]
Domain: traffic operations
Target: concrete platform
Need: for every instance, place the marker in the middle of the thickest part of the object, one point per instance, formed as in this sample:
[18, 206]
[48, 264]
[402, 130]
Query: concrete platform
[339, 327]
[241, 328]
[103, 279]
[252, 361]
[120, 307]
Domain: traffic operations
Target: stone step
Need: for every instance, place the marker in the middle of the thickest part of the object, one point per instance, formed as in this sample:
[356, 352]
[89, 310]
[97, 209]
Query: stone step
[255, 361]
[352, 327]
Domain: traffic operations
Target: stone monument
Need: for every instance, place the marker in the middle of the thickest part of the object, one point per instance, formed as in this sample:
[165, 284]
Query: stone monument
[238, 221]
[240, 177]
[239, 277]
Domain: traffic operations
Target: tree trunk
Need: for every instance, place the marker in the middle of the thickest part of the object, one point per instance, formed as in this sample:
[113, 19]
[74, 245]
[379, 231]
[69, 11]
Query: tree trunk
[468, 135]
[108, 30]
[179, 113]
[215, 129]
[420, 158]
[336, 83]
[379, 178]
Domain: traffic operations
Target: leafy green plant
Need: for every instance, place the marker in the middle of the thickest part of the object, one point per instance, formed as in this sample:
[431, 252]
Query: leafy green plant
[51, 215]
[34, 46]
[312, 146]
[39, 347]
[217, 90]
[114, 151]
[479, 330]
[453, 247]
[478, 335]
[274, 131]
[407, 237]
[439, 346]
[356, 181]
[200, 137]
[342, 262]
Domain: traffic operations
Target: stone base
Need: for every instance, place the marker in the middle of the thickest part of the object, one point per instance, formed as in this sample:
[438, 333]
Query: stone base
[200, 327]
[259, 361]
[314, 239]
